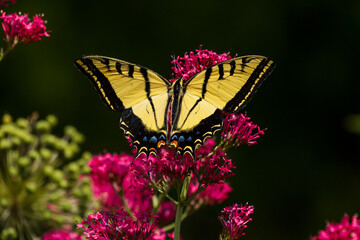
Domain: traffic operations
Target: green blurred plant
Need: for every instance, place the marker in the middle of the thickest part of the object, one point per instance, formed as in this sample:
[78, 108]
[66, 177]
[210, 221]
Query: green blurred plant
[42, 185]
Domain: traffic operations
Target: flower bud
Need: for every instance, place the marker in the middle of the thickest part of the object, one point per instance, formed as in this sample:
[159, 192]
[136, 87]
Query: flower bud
[30, 186]
[43, 126]
[23, 161]
[13, 171]
[5, 144]
[8, 234]
[52, 120]
[45, 153]
[48, 170]
[57, 175]
[22, 123]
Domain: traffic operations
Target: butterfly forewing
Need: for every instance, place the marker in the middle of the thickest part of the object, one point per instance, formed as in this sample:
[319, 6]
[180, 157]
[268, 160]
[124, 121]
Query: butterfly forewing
[230, 85]
[227, 87]
[141, 94]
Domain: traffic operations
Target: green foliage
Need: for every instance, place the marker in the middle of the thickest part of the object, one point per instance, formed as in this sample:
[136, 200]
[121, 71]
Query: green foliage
[39, 174]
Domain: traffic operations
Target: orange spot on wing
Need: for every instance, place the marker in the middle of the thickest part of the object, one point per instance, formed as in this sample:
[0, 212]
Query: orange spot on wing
[160, 143]
[174, 143]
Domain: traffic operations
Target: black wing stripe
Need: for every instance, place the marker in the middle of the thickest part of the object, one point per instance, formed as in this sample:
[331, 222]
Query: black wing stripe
[118, 68]
[207, 76]
[233, 66]
[144, 73]
[242, 94]
[131, 70]
[104, 89]
[221, 71]
[190, 111]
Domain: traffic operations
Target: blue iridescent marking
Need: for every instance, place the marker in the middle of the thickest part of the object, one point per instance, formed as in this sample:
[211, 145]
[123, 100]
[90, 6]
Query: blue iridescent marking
[145, 139]
[174, 137]
[181, 139]
[162, 137]
[153, 139]
[189, 139]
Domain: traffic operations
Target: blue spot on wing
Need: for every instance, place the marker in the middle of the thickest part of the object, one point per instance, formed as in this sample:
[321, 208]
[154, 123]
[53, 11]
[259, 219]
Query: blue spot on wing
[153, 140]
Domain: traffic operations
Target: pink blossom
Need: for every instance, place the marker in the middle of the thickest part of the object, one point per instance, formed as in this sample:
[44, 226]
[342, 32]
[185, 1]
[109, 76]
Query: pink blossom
[166, 213]
[19, 28]
[106, 171]
[214, 194]
[234, 219]
[167, 166]
[193, 63]
[213, 166]
[239, 130]
[4, 3]
[61, 235]
[112, 176]
[345, 230]
[117, 224]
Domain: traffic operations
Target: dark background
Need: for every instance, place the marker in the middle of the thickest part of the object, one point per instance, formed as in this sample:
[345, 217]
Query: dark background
[304, 171]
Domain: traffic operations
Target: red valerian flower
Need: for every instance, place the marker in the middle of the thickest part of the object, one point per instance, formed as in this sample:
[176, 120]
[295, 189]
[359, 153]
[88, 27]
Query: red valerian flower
[20, 29]
[345, 230]
[61, 235]
[115, 184]
[4, 3]
[234, 219]
[112, 178]
[167, 166]
[193, 63]
[117, 224]
[214, 194]
[239, 130]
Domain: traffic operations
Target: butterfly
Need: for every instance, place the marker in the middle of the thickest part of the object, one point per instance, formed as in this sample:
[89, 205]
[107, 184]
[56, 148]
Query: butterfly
[182, 114]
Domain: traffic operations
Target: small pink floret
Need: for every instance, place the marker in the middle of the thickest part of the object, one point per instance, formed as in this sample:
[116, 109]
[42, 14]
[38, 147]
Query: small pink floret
[345, 230]
[234, 219]
[19, 28]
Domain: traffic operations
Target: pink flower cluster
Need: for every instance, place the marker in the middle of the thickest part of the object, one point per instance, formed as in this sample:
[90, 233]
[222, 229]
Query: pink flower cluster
[19, 28]
[4, 3]
[234, 219]
[207, 173]
[61, 235]
[239, 130]
[116, 185]
[193, 63]
[345, 230]
[117, 224]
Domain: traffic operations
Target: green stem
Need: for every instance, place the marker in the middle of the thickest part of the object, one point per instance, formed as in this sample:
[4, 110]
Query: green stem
[7, 51]
[171, 226]
[178, 219]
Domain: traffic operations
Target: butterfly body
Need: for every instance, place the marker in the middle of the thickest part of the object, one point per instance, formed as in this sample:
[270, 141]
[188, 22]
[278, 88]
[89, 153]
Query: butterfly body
[183, 113]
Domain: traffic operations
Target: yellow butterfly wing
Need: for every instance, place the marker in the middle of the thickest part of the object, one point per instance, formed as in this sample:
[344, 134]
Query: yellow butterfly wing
[141, 94]
[227, 87]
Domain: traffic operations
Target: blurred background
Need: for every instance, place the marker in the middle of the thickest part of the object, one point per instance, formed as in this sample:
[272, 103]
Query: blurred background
[303, 172]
